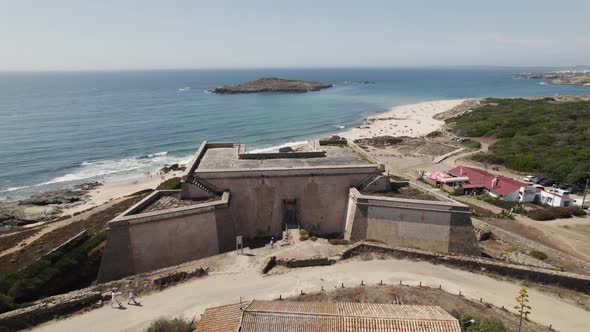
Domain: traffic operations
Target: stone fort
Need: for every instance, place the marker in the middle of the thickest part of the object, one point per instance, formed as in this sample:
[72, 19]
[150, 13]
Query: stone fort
[328, 187]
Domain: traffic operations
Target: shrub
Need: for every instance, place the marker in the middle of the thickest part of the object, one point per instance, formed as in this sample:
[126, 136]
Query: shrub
[304, 238]
[577, 211]
[6, 303]
[472, 144]
[550, 213]
[313, 238]
[170, 184]
[303, 232]
[538, 255]
[435, 133]
[178, 324]
[338, 241]
[481, 324]
[511, 249]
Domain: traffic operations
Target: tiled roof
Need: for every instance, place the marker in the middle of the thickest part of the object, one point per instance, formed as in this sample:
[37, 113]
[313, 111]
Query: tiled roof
[479, 178]
[262, 316]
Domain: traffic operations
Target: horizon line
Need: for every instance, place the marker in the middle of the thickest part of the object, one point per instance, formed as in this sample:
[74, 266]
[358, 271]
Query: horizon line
[2, 71]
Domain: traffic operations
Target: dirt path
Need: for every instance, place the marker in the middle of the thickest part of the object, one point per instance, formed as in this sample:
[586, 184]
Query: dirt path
[190, 299]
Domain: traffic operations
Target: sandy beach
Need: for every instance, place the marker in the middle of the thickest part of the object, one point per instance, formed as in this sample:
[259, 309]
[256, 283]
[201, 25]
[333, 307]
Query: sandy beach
[119, 188]
[411, 120]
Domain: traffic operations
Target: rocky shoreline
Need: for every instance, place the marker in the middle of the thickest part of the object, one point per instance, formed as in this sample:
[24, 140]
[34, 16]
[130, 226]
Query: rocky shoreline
[45, 206]
[573, 77]
[271, 84]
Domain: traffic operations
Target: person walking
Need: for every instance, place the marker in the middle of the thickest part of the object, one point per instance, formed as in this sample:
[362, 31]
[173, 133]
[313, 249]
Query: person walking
[114, 299]
[131, 295]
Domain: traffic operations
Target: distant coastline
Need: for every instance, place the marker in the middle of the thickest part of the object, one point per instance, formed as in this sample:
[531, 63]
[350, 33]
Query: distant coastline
[564, 77]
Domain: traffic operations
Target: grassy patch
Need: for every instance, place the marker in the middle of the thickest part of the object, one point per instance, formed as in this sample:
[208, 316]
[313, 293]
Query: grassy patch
[538, 255]
[170, 184]
[554, 212]
[472, 144]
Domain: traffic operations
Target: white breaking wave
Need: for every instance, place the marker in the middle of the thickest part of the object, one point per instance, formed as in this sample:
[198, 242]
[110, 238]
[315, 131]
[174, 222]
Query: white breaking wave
[340, 126]
[7, 190]
[119, 167]
[186, 88]
[274, 148]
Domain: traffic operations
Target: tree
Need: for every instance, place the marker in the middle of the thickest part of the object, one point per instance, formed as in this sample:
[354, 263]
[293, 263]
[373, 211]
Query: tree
[522, 306]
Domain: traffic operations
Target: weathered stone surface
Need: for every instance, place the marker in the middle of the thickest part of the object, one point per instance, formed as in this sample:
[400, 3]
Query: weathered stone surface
[14, 214]
[286, 149]
[271, 84]
[63, 196]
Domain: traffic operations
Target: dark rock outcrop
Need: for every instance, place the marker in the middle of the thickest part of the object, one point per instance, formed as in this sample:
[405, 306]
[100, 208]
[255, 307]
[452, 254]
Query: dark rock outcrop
[271, 84]
[574, 77]
[63, 196]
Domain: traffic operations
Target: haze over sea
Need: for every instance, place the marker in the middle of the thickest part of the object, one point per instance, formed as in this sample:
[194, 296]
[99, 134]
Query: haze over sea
[63, 128]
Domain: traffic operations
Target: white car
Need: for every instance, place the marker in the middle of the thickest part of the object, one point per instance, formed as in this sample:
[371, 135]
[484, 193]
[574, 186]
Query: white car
[528, 178]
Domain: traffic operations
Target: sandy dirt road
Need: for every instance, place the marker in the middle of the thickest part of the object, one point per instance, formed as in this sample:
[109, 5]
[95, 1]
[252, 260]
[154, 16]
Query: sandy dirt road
[191, 298]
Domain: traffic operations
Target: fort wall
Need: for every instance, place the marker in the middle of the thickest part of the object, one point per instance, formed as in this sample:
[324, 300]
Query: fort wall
[144, 242]
[443, 226]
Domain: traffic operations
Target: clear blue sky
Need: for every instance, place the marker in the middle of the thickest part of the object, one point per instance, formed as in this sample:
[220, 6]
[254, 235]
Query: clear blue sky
[125, 34]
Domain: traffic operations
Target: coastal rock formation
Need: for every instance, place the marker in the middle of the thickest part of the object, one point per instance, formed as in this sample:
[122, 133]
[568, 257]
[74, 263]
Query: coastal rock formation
[271, 84]
[575, 77]
[63, 196]
[14, 214]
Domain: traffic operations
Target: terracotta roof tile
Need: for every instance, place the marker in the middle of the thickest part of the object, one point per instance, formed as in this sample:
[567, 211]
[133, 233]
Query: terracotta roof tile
[263, 316]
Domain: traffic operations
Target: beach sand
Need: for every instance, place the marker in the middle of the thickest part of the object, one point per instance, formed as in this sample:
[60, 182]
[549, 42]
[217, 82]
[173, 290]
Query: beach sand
[119, 188]
[412, 120]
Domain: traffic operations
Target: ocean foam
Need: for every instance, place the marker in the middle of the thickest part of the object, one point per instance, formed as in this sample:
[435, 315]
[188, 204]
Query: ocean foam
[110, 168]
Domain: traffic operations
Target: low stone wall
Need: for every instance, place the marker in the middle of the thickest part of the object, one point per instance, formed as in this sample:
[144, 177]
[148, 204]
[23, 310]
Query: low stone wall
[573, 281]
[93, 297]
[47, 310]
[296, 262]
[526, 244]
[281, 155]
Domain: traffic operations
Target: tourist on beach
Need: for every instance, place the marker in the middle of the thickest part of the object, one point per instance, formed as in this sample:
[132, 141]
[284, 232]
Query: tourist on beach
[272, 242]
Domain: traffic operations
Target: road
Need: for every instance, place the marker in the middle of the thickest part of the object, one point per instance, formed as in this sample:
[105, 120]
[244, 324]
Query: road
[191, 298]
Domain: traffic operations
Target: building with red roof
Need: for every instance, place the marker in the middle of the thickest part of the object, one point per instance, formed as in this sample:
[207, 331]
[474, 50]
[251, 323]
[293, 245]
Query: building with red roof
[495, 185]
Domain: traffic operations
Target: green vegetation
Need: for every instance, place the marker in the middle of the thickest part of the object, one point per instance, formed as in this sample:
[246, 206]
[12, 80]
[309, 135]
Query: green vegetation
[538, 255]
[170, 184]
[178, 324]
[304, 238]
[536, 136]
[498, 202]
[554, 212]
[472, 144]
[522, 306]
[435, 133]
[70, 267]
[313, 238]
[303, 232]
[471, 323]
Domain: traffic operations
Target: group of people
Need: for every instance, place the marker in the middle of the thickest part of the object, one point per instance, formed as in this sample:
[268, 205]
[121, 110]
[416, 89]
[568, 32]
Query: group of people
[158, 173]
[130, 300]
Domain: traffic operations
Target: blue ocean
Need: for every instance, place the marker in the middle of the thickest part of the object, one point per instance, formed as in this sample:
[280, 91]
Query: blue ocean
[63, 128]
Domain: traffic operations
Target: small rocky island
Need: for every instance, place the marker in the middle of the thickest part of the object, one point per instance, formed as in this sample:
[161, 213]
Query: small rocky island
[272, 84]
[576, 77]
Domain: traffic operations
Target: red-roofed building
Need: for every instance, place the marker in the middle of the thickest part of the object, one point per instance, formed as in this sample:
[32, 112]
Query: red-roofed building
[495, 185]
[326, 316]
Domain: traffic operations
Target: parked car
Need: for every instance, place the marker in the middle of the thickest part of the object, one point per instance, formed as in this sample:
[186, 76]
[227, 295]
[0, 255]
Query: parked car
[529, 178]
[548, 182]
[569, 188]
[537, 179]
